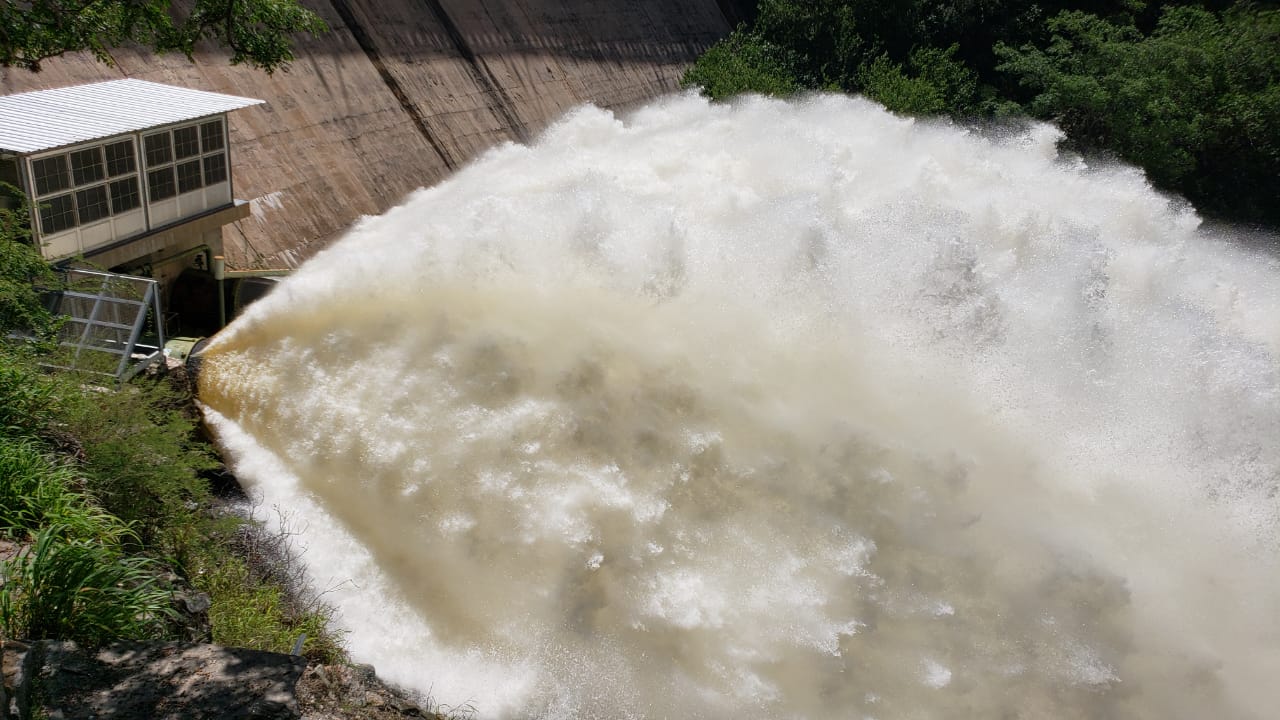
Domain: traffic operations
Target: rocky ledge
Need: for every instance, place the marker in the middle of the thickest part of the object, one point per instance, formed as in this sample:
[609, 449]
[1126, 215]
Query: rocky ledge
[189, 681]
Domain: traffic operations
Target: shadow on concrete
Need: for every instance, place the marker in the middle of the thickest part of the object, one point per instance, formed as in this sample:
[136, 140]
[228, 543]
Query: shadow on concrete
[661, 31]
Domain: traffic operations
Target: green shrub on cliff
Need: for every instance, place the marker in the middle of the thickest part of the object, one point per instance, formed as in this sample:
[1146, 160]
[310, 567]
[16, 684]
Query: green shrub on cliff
[743, 62]
[22, 272]
[103, 491]
[140, 457]
[250, 612]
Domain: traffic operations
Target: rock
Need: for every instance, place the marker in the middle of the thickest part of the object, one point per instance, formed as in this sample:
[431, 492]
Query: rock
[160, 681]
[14, 654]
[354, 692]
[9, 550]
[198, 603]
[191, 616]
[406, 708]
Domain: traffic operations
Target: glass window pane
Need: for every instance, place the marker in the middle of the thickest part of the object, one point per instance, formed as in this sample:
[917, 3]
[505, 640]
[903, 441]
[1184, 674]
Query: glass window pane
[215, 169]
[120, 158]
[92, 204]
[57, 214]
[157, 149]
[9, 174]
[51, 174]
[86, 166]
[211, 137]
[186, 142]
[124, 195]
[160, 184]
[189, 176]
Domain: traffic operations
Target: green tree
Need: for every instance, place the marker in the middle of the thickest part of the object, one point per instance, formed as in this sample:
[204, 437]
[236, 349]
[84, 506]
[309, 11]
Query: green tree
[1196, 103]
[256, 31]
[832, 40]
[936, 84]
[743, 62]
[885, 82]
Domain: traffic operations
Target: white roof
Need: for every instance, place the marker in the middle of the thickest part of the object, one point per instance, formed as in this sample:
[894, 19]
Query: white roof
[47, 119]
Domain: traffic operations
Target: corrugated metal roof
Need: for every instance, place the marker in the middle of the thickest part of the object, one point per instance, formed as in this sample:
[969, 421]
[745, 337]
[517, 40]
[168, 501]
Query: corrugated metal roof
[47, 119]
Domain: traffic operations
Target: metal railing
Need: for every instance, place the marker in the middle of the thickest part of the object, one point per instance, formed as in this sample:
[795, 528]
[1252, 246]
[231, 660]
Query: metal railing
[106, 319]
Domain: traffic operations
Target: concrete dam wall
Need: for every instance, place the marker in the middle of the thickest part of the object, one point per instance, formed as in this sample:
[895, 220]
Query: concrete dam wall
[400, 93]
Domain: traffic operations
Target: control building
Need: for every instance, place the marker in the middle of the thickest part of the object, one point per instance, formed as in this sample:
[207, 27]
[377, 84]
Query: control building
[127, 175]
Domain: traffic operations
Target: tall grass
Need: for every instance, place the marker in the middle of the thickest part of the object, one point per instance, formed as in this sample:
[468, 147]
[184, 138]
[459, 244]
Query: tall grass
[68, 588]
[36, 491]
[248, 612]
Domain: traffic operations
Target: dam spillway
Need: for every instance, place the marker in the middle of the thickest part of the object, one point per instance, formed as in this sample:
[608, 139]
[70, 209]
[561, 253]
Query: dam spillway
[781, 409]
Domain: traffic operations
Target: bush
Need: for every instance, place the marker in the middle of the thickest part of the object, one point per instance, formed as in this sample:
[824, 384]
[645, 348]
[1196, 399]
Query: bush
[22, 273]
[28, 401]
[132, 480]
[884, 82]
[142, 459]
[741, 63]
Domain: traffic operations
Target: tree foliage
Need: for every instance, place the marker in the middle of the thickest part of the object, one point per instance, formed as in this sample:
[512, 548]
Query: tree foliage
[743, 62]
[1188, 90]
[257, 32]
[1196, 103]
[23, 273]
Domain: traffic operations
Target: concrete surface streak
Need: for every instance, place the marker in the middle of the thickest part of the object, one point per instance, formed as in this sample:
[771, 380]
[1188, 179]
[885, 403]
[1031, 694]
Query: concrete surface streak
[401, 92]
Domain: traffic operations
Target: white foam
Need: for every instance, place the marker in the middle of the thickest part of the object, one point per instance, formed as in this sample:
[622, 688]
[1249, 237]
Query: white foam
[786, 410]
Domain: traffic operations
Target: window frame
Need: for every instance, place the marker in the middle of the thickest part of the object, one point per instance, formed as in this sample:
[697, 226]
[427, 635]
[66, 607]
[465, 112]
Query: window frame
[108, 162]
[84, 198]
[206, 150]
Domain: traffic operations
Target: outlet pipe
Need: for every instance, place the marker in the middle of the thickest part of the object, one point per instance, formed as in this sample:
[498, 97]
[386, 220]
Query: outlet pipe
[222, 274]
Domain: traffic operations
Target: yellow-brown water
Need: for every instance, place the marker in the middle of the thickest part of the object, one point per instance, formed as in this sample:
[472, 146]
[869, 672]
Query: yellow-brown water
[784, 410]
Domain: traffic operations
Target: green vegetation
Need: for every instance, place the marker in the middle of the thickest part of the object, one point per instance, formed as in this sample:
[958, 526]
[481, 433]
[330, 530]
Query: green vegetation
[1188, 90]
[257, 32]
[83, 590]
[1196, 102]
[38, 493]
[743, 60]
[23, 270]
[250, 612]
[104, 514]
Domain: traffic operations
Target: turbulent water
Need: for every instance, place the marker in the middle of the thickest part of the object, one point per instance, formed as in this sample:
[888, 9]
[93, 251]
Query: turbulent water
[781, 410]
